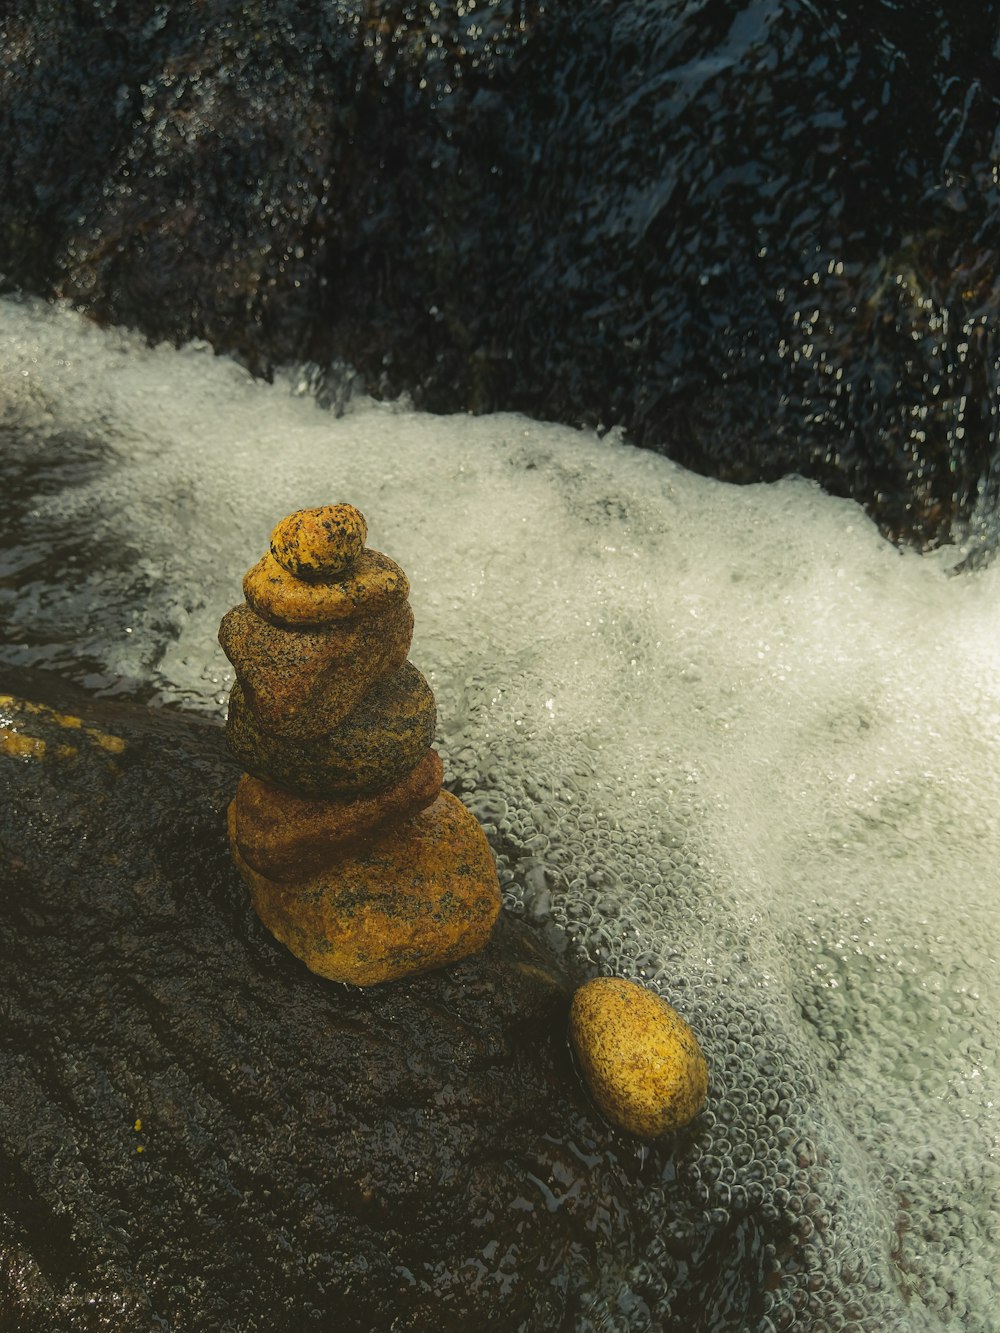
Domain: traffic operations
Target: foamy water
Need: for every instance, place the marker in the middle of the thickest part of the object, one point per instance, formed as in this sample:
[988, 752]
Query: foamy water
[725, 739]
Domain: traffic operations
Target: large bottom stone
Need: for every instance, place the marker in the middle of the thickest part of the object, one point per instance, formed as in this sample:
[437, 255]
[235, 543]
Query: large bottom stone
[417, 897]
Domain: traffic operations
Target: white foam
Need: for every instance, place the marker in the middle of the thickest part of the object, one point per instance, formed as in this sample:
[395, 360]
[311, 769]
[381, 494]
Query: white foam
[727, 739]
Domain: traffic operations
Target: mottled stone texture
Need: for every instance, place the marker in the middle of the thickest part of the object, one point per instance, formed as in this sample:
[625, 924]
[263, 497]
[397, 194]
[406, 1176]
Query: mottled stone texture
[371, 584]
[418, 1156]
[284, 836]
[420, 894]
[321, 542]
[640, 1058]
[303, 683]
[385, 735]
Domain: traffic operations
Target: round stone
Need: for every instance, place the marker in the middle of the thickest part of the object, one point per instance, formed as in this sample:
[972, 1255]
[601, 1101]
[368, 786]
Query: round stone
[642, 1062]
[422, 895]
[375, 745]
[279, 597]
[319, 543]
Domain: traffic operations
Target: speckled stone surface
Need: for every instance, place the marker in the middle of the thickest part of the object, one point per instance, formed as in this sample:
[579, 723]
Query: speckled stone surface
[375, 745]
[423, 895]
[302, 683]
[641, 1060]
[354, 856]
[372, 581]
[319, 543]
[284, 836]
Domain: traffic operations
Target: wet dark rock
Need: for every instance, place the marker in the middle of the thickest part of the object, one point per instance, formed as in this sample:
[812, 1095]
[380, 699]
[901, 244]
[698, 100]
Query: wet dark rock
[762, 239]
[197, 1133]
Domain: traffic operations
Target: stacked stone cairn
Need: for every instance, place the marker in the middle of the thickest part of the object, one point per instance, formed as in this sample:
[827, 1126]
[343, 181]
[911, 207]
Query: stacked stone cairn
[355, 857]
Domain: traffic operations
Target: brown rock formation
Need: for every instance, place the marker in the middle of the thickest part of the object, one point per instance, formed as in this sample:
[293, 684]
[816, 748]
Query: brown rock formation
[355, 858]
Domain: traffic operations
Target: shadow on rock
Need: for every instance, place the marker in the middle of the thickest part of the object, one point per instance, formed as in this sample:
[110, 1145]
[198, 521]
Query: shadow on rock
[196, 1132]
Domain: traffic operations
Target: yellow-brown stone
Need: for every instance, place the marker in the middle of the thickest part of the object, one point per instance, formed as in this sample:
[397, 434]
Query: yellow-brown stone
[641, 1060]
[284, 836]
[372, 582]
[422, 895]
[375, 745]
[301, 683]
[319, 543]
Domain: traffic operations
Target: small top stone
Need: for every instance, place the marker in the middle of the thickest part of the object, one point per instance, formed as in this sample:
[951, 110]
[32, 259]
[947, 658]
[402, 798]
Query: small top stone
[320, 543]
[641, 1060]
[372, 583]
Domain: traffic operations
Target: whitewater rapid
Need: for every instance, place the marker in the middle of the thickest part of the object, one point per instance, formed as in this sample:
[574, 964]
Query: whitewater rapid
[725, 739]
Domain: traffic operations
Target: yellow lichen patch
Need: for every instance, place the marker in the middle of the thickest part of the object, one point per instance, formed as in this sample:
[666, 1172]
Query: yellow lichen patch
[319, 543]
[642, 1062]
[20, 746]
[35, 747]
[106, 740]
[41, 710]
[60, 719]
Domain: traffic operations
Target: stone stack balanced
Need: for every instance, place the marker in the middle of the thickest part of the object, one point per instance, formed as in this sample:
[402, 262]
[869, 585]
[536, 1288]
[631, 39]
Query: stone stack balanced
[355, 857]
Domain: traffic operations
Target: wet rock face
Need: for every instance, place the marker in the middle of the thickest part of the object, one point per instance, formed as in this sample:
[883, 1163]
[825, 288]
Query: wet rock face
[762, 240]
[195, 1132]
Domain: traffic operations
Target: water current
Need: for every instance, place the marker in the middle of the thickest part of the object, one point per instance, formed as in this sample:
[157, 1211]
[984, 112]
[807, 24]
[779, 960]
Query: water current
[760, 235]
[727, 740]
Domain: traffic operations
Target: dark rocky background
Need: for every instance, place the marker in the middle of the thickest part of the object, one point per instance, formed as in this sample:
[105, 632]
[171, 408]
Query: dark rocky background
[760, 236]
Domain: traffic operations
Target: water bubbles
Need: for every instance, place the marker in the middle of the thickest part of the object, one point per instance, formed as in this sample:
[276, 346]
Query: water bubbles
[765, 785]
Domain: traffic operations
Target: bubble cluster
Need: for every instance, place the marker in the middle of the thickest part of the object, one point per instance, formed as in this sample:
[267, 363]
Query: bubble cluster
[726, 741]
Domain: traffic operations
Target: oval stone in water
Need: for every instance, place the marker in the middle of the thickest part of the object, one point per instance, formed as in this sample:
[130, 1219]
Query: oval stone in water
[319, 543]
[642, 1062]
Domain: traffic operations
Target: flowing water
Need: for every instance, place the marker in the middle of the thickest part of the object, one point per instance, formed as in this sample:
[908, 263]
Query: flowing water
[761, 235]
[729, 741]
[726, 740]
